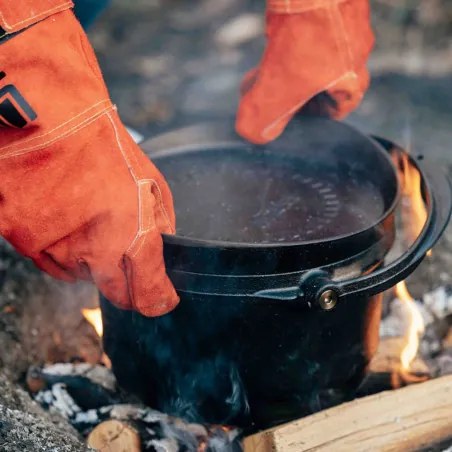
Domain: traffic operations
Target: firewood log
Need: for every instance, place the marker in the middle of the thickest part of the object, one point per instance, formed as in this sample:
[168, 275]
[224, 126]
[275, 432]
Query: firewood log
[114, 436]
[402, 420]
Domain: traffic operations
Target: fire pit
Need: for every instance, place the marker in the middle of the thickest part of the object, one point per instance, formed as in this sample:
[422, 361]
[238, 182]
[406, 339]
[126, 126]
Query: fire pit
[280, 260]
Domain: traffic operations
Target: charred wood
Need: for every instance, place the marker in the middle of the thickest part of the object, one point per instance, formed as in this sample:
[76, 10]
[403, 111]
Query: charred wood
[85, 396]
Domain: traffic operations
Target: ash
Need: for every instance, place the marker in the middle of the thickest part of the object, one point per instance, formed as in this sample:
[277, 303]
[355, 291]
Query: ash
[86, 395]
[435, 347]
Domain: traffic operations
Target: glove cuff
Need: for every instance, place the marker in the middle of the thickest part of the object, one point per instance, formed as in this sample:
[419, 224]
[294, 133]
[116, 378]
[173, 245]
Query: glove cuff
[15, 15]
[298, 6]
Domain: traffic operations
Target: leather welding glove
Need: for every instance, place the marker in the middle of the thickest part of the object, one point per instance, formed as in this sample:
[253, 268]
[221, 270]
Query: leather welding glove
[77, 195]
[313, 46]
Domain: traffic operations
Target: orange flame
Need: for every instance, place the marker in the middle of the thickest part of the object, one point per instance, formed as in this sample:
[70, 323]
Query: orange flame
[415, 214]
[94, 317]
[415, 328]
[413, 202]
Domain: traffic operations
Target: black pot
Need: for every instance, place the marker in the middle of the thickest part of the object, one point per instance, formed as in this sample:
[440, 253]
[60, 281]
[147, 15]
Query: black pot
[279, 319]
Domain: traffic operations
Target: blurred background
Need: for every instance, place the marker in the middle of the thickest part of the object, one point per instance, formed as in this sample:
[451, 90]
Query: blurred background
[174, 62]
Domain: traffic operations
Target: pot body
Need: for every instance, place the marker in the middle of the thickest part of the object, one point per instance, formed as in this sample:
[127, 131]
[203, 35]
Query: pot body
[248, 362]
[263, 352]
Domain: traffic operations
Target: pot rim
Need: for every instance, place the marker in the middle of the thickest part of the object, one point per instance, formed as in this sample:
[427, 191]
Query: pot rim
[231, 140]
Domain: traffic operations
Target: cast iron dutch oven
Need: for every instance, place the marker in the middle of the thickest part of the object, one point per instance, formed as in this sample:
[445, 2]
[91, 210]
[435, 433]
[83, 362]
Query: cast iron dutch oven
[279, 260]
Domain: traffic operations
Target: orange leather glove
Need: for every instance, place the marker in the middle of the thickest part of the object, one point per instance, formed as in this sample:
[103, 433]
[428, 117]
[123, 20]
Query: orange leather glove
[77, 195]
[313, 46]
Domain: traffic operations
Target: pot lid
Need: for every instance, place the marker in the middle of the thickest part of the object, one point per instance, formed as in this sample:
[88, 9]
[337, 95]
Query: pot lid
[322, 192]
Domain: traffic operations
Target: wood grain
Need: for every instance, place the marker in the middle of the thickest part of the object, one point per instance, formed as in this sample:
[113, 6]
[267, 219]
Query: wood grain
[406, 419]
[114, 436]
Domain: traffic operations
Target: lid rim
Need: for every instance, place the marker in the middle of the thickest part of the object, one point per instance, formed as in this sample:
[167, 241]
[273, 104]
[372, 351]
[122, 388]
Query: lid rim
[192, 254]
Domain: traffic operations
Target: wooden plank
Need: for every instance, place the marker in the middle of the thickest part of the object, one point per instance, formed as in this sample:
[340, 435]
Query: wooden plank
[406, 419]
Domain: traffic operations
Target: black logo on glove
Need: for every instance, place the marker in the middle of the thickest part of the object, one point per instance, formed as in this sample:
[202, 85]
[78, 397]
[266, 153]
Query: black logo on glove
[15, 111]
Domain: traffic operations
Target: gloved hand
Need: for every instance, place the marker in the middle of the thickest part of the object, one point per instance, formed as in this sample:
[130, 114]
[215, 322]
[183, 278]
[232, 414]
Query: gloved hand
[77, 195]
[314, 46]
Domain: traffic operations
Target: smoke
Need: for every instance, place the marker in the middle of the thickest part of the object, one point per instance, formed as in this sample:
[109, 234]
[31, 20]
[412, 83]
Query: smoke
[215, 381]
[173, 363]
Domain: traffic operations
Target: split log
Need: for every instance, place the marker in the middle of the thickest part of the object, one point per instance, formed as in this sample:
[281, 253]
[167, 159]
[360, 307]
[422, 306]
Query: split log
[114, 436]
[406, 419]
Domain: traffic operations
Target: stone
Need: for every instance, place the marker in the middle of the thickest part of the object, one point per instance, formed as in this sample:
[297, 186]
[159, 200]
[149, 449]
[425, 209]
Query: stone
[24, 426]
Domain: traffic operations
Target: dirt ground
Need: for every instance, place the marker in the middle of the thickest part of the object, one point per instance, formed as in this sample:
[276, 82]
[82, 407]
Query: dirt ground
[172, 62]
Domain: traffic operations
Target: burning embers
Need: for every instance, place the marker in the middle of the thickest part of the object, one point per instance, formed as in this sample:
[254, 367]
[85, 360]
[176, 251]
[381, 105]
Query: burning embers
[87, 396]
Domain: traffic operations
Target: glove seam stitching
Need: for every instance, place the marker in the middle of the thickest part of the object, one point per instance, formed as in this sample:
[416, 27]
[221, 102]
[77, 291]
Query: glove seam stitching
[144, 237]
[63, 135]
[340, 19]
[153, 182]
[336, 15]
[127, 159]
[144, 224]
[10, 27]
[162, 206]
[59, 125]
[303, 101]
[288, 8]
[9, 151]
[138, 182]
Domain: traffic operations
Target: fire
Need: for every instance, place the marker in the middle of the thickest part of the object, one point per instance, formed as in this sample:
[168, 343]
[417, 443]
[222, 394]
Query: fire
[415, 328]
[413, 203]
[415, 216]
[94, 317]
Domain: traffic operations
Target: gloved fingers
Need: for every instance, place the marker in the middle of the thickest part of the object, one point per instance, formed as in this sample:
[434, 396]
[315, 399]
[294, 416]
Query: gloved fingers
[259, 121]
[340, 99]
[348, 93]
[248, 81]
[90, 253]
[323, 104]
[111, 281]
[290, 74]
[322, 48]
[133, 278]
[46, 263]
[150, 290]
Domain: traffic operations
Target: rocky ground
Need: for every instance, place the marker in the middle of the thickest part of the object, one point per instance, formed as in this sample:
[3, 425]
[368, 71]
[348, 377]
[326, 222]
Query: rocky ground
[173, 62]
[24, 426]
